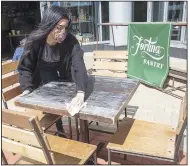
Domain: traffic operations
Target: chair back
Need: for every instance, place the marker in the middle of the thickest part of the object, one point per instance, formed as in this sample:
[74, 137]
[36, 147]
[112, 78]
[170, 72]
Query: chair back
[22, 134]
[110, 63]
[10, 81]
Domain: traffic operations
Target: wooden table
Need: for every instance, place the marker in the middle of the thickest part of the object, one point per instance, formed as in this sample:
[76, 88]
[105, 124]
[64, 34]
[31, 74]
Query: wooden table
[106, 99]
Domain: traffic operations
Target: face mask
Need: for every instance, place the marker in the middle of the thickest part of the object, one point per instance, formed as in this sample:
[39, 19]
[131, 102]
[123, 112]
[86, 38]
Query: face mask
[60, 37]
[59, 33]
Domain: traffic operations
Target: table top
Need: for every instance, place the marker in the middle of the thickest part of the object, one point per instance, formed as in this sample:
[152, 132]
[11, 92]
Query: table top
[106, 98]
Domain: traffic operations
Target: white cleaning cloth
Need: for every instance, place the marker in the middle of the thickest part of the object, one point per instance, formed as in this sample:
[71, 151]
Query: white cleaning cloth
[73, 109]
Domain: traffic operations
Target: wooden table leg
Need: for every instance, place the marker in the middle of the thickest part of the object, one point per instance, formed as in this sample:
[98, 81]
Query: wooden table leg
[77, 128]
[84, 132]
[70, 128]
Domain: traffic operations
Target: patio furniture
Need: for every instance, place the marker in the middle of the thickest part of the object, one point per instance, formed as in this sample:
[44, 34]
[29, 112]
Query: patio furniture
[100, 94]
[106, 64]
[179, 75]
[22, 134]
[112, 64]
[11, 89]
[176, 73]
[150, 140]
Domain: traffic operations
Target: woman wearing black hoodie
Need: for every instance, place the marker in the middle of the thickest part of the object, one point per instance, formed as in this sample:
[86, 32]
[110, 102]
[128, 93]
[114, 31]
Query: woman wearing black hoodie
[52, 53]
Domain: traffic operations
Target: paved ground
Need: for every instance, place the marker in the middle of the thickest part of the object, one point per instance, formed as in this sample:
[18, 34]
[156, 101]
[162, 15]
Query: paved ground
[147, 104]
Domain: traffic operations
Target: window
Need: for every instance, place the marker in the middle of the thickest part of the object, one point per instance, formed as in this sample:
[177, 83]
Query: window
[105, 18]
[158, 11]
[175, 14]
[172, 11]
[82, 16]
[140, 11]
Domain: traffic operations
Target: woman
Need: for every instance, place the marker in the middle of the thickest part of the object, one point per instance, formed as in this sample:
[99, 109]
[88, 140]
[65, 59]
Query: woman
[51, 52]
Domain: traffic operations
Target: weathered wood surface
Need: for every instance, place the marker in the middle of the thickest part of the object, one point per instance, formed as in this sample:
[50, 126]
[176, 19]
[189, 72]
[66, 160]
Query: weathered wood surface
[141, 137]
[106, 98]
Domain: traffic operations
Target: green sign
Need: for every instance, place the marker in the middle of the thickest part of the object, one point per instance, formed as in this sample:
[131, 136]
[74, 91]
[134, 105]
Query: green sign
[148, 52]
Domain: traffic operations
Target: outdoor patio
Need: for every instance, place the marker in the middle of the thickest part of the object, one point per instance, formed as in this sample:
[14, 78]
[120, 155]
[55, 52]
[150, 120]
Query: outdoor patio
[95, 138]
[115, 95]
[166, 111]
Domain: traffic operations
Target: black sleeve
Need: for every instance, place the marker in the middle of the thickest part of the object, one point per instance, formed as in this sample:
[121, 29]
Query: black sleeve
[26, 69]
[80, 73]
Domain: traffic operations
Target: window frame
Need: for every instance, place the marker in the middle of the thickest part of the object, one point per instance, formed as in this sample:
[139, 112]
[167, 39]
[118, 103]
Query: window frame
[174, 43]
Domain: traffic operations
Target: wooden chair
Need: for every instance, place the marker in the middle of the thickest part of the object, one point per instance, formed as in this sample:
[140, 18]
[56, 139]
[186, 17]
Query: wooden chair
[11, 89]
[110, 64]
[22, 134]
[175, 73]
[114, 63]
[178, 75]
[146, 139]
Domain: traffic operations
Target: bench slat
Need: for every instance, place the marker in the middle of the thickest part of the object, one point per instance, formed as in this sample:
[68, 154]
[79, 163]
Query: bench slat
[10, 94]
[110, 55]
[115, 66]
[10, 80]
[24, 150]
[9, 67]
[16, 119]
[109, 74]
[23, 136]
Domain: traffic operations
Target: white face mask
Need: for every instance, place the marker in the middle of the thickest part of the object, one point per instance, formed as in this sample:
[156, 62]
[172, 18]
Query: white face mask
[60, 32]
[60, 37]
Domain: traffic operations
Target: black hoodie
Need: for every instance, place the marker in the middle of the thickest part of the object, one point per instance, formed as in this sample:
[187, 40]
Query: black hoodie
[72, 67]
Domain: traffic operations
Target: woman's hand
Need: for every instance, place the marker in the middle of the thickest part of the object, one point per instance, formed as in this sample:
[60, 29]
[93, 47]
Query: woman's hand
[76, 103]
[78, 100]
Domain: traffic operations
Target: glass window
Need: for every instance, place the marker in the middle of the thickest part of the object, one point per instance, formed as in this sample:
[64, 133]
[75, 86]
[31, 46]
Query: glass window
[82, 16]
[140, 11]
[158, 11]
[105, 18]
[175, 14]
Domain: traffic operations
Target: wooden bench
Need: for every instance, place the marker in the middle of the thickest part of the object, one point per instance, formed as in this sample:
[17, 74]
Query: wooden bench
[22, 134]
[11, 89]
[146, 139]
